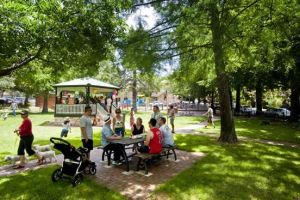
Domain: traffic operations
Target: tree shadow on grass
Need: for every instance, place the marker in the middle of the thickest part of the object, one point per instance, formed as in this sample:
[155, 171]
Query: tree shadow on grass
[243, 171]
[38, 185]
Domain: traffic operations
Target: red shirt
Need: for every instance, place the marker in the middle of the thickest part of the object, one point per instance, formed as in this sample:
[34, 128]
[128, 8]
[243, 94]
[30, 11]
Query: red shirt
[26, 128]
[155, 145]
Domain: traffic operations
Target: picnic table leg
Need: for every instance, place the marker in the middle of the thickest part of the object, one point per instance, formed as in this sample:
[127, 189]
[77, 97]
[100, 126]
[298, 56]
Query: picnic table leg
[125, 157]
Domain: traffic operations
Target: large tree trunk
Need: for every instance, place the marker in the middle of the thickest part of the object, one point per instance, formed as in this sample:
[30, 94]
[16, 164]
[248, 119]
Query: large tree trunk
[45, 104]
[134, 90]
[228, 133]
[295, 104]
[258, 97]
[231, 99]
[238, 99]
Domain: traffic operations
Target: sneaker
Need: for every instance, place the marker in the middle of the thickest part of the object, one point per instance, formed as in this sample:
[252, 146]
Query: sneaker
[116, 162]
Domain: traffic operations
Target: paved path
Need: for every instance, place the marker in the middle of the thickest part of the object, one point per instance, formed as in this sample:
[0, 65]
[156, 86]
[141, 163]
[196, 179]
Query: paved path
[133, 185]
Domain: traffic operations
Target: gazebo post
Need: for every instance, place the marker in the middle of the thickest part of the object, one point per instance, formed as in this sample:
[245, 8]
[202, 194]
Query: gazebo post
[88, 95]
[55, 100]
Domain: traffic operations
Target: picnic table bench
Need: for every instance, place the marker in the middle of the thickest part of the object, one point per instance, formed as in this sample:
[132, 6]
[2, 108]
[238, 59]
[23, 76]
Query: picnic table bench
[144, 159]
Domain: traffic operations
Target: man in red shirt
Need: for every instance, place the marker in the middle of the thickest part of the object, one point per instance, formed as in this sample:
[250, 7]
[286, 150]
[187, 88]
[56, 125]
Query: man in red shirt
[152, 144]
[26, 139]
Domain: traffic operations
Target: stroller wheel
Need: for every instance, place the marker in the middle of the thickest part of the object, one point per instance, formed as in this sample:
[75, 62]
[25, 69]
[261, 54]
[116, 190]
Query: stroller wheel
[93, 169]
[77, 179]
[56, 175]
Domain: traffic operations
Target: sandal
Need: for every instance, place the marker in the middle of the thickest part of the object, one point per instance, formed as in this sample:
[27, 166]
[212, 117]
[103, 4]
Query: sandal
[41, 161]
[18, 167]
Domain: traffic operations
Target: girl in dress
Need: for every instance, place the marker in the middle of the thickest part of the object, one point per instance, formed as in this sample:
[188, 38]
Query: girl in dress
[118, 123]
[138, 127]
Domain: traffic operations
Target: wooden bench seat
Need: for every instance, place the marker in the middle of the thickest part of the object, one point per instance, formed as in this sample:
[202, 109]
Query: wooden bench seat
[145, 158]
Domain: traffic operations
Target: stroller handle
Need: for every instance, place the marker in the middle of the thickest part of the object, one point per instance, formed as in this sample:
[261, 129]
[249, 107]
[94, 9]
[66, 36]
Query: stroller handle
[55, 140]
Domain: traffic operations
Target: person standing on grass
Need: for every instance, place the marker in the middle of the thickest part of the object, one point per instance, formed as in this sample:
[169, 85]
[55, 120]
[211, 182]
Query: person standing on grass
[14, 107]
[107, 134]
[86, 128]
[156, 115]
[132, 117]
[210, 116]
[26, 139]
[153, 142]
[167, 136]
[171, 113]
[118, 123]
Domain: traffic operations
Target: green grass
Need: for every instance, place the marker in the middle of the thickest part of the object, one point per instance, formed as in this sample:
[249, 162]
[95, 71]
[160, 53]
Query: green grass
[42, 133]
[253, 128]
[244, 171]
[9, 140]
[37, 185]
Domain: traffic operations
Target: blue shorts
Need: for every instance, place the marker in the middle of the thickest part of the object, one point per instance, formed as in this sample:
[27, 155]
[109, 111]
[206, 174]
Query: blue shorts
[64, 133]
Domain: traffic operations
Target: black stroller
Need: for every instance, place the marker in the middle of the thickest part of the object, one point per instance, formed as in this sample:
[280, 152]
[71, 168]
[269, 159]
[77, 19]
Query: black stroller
[75, 162]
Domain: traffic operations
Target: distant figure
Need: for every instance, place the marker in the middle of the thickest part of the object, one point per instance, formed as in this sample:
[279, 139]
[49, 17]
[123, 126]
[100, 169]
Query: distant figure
[66, 128]
[156, 115]
[167, 136]
[131, 121]
[171, 113]
[108, 104]
[118, 123]
[4, 115]
[210, 116]
[102, 102]
[14, 107]
[138, 127]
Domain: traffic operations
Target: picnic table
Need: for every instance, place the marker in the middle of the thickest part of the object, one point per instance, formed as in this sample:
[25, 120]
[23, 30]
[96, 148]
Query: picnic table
[126, 141]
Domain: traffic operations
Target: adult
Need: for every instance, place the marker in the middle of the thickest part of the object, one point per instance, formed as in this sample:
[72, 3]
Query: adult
[107, 134]
[14, 107]
[156, 115]
[108, 104]
[26, 139]
[167, 136]
[118, 123]
[138, 127]
[171, 113]
[210, 116]
[86, 128]
[153, 140]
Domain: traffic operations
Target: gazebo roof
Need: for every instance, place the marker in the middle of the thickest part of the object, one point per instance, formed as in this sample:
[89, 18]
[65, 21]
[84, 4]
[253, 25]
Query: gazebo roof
[86, 82]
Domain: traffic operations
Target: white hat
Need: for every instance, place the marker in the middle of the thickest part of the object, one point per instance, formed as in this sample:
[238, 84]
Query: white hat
[107, 119]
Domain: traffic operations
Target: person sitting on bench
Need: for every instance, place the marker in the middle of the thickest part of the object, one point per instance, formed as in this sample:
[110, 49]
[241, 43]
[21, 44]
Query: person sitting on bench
[107, 134]
[153, 140]
[167, 136]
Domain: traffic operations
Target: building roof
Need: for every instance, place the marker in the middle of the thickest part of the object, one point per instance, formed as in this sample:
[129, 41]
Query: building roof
[86, 82]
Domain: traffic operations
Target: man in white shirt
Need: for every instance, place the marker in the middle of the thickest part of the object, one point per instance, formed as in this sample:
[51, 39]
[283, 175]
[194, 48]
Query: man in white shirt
[156, 115]
[86, 127]
[167, 136]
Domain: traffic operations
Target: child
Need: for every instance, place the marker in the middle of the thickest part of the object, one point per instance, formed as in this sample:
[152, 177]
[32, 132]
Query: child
[171, 113]
[66, 128]
[118, 123]
[131, 117]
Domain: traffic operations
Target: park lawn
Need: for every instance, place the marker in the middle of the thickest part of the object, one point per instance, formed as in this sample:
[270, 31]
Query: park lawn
[247, 170]
[253, 128]
[180, 121]
[37, 185]
[9, 140]
[42, 133]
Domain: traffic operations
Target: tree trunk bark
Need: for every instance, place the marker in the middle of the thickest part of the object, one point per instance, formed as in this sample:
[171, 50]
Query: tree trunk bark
[45, 104]
[134, 91]
[228, 133]
[238, 99]
[231, 99]
[258, 97]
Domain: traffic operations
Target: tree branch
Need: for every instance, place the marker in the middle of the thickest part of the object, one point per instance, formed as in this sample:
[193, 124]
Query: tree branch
[27, 59]
[148, 3]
